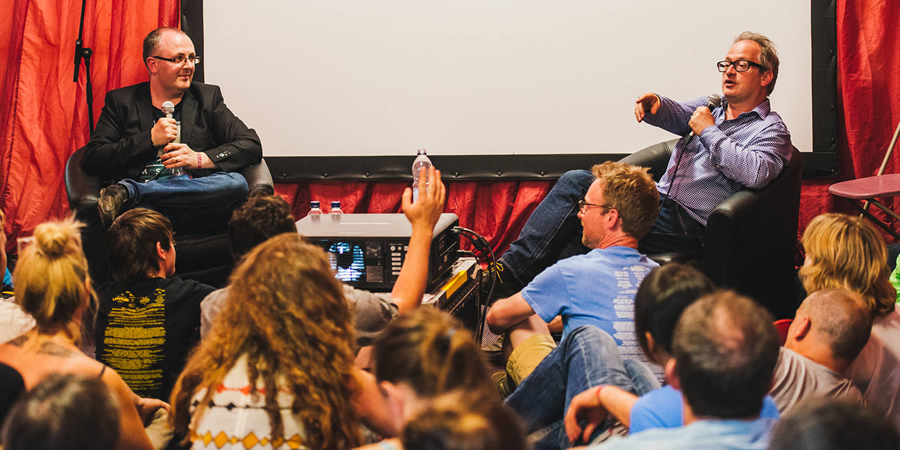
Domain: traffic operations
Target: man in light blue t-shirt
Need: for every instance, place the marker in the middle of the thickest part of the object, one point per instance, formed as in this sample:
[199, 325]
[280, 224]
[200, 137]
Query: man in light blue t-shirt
[593, 289]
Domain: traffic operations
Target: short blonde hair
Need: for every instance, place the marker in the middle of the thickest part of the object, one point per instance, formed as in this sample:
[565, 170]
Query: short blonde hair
[846, 252]
[632, 192]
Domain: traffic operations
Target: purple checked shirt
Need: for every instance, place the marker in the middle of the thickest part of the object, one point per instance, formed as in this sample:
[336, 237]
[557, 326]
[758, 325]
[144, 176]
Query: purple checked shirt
[747, 151]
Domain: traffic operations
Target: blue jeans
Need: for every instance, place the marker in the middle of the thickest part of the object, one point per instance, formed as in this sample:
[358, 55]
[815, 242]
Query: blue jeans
[586, 358]
[192, 204]
[553, 231]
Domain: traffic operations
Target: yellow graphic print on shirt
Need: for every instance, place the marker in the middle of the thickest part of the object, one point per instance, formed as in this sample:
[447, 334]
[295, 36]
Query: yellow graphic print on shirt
[135, 338]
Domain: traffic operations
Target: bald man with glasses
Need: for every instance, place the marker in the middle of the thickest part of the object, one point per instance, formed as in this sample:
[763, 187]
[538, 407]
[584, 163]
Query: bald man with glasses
[170, 144]
[738, 143]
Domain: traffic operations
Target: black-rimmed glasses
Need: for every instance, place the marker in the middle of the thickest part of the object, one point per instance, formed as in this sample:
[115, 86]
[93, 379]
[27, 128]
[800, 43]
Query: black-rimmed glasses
[180, 59]
[741, 65]
[583, 206]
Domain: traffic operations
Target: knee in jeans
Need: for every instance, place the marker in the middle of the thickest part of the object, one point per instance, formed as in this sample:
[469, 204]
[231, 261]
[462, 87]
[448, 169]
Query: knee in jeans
[589, 332]
[236, 185]
[579, 177]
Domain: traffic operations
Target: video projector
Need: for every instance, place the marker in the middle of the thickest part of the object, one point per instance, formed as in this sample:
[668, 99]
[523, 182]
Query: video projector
[367, 250]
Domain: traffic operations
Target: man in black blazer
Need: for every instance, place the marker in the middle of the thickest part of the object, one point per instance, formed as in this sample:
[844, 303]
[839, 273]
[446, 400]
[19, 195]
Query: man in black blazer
[184, 165]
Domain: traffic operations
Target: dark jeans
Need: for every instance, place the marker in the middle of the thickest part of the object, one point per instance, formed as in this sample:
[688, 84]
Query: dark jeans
[198, 204]
[553, 231]
[586, 358]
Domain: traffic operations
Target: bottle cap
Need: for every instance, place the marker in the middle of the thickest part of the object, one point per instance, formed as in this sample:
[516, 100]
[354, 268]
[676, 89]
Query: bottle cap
[313, 205]
[421, 151]
[335, 204]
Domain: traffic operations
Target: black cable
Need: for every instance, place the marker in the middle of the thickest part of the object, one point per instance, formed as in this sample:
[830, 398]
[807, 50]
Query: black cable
[481, 244]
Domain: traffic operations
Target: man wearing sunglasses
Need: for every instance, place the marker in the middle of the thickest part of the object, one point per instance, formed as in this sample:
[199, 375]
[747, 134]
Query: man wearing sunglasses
[739, 143]
[171, 144]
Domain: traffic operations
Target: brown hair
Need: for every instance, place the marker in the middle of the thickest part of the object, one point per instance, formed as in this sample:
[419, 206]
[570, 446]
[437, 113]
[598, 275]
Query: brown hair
[51, 277]
[130, 244]
[768, 56]
[432, 352]
[846, 252]
[260, 218]
[286, 313]
[725, 350]
[463, 421]
[632, 192]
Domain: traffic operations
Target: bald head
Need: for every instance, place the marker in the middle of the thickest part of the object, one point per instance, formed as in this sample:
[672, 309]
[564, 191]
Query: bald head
[839, 319]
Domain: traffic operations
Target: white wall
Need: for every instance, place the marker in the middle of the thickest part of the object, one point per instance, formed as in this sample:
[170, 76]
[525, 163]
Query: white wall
[385, 77]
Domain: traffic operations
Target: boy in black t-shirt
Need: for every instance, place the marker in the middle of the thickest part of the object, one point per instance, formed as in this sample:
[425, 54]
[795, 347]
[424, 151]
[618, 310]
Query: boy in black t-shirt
[148, 319]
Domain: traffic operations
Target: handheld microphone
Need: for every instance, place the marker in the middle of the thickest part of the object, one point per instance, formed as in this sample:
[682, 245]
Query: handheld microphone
[712, 102]
[168, 108]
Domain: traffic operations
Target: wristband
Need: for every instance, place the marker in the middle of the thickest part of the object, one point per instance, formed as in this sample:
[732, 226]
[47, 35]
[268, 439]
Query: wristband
[199, 160]
[597, 393]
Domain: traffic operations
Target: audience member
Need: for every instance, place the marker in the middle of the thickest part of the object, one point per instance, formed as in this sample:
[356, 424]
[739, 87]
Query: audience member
[7, 289]
[52, 285]
[13, 321]
[64, 412]
[422, 355]
[742, 143]
[828, 332]
[592, 289]
[137, 148]
[895, 278]
[456, 421]
[278, 364]
[265, 216]
[834, 424]
[148, 318]
[725, 350]
[846, 252]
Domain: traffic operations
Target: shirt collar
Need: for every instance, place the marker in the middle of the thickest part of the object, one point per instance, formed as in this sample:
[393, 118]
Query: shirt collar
[762, 110]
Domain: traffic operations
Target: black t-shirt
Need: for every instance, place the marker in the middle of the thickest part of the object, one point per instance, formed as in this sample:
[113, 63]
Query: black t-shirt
[145, 331]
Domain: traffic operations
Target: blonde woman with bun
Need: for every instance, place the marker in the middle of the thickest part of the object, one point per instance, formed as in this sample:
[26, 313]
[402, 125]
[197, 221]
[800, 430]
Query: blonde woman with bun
[52, 285]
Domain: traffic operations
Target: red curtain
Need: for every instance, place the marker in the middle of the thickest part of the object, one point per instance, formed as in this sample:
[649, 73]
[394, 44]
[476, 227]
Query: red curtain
[43, 113]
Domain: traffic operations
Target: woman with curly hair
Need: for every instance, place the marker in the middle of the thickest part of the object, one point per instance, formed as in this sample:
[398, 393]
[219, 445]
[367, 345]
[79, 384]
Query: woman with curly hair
[846, 252]
[52, 285]
[276, 369]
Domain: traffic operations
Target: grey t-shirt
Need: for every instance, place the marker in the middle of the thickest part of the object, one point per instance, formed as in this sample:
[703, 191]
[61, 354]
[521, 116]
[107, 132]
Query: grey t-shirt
[797, 378]
[372, 312]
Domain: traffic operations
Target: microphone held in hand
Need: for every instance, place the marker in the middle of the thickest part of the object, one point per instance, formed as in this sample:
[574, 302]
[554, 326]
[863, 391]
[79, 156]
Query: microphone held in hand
[712, 102]
[168, 108]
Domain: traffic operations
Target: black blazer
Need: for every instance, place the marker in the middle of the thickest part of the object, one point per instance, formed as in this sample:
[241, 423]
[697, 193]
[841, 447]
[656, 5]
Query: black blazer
[121, 146]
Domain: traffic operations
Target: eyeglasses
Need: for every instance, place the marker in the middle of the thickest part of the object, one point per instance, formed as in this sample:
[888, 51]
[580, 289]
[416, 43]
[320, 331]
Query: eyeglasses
[180, 59]
[583, 206]
[741, 65]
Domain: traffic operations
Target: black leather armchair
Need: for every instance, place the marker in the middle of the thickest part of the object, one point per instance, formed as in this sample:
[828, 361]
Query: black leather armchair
[202, 257]
[751, 236]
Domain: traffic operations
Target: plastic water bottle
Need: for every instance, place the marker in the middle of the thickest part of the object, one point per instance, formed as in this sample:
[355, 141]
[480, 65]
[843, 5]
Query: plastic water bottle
[421, 162]
[314, 209]
[336, 208]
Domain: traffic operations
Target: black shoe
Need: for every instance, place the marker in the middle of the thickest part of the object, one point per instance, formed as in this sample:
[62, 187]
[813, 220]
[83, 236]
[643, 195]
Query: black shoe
[111, 203]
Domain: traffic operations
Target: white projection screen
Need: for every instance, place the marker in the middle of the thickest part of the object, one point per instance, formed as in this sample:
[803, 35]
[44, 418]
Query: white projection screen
[499, 77]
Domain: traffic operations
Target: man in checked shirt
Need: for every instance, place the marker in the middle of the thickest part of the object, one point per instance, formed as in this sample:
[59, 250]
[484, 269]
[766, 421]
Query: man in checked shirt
[740, 143]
